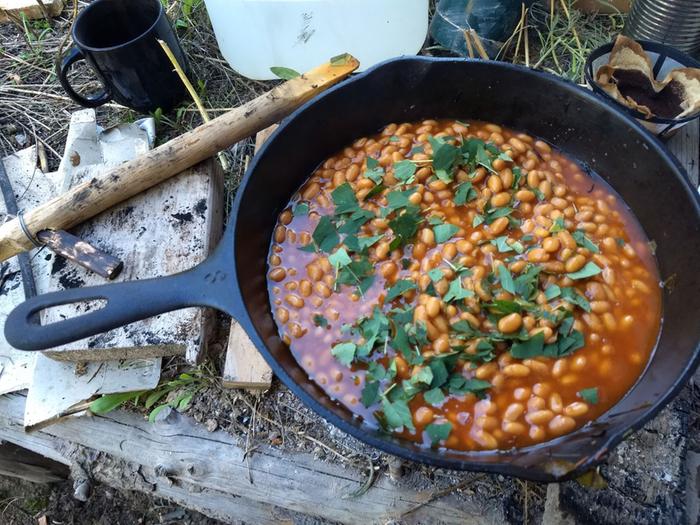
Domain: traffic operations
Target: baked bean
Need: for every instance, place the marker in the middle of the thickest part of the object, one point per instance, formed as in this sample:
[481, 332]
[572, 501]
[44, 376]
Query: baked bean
[525, 196]
[294, 300]
[423, 416]
[551, 244]
[537, 255]
[499, 225]
[529, 400]
[277, 274]
[511, 427]
[561, 425]
[575, 263]
[576, 409]
[537, 433]
[513, 412]
[539, 417]
[516, 370]
[282, 315]
[510, 323]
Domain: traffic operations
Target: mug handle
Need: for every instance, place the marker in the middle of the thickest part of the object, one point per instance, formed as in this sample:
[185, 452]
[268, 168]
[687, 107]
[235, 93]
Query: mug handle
[75, 54]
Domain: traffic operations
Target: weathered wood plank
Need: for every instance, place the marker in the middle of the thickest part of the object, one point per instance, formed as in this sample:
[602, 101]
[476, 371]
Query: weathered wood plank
[29, 8]
[244, 366]
[18, 462]
[187, 455]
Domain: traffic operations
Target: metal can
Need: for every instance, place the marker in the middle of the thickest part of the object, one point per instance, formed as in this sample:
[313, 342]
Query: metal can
[672, 22]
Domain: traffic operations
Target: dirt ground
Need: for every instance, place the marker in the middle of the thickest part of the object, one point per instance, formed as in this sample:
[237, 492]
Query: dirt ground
[24, 503]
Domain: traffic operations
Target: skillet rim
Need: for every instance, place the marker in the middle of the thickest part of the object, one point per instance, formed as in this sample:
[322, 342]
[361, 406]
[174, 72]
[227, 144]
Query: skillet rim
[433, 457]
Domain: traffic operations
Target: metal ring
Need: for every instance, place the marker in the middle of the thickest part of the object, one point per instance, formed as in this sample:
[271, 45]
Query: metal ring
[25, 230]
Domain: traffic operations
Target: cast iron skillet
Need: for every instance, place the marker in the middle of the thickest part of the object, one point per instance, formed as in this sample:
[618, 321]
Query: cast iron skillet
[408, 89]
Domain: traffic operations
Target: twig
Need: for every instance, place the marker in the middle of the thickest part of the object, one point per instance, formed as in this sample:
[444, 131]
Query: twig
[521, 24]
[526, 41]
[190, 89]
[573, 27]
[443, 492]
[468, 42]
[479, 46]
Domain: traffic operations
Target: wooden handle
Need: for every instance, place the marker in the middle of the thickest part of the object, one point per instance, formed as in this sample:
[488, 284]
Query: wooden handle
[126, 180]
[81, 253]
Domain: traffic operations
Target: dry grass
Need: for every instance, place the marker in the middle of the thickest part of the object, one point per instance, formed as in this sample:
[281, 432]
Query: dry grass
[35, 109]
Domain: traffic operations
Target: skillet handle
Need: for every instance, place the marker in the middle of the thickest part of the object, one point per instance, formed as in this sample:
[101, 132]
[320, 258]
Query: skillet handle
[127, 302]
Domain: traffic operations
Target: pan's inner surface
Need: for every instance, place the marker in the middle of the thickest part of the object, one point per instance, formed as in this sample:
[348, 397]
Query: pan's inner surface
[433, 339]
[583, 127]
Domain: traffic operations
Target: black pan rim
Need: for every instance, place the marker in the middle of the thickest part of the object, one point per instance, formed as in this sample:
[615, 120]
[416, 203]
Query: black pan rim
[432, 456]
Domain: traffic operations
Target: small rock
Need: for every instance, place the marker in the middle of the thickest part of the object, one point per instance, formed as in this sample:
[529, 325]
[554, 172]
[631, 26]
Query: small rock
[21, 139]
[211, 425]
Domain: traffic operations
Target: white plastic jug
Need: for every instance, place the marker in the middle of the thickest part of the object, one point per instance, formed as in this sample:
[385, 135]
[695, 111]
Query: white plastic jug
[255, 35]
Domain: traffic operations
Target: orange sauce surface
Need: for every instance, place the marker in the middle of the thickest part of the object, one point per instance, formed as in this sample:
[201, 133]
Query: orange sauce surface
[526, 400]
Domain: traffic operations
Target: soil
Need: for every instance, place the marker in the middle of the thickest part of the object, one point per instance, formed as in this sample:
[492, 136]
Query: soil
[24, 503]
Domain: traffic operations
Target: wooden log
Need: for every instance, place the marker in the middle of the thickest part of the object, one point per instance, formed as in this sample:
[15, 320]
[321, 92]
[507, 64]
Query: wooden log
[81, 253]
[131, 178]
[18, 462]
[188, 456]
[244, 366]
[30, 8]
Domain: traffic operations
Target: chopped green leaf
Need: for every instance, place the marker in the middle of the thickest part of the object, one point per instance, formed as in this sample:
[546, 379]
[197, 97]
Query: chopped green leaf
[456, 292]
[585, 242]
[341, 60]
[552, 291]
[465, 192]
[517, 175]
[589, 270]
[434, 396]
[339, 258]
[401, 287]
[374, 171]
[558, 225]
[458, 384]
[440, 373]
[397, 414]
[405, 171]
[478, 219]
[590, 395]
[284, 73]
[344, 199]
[506, 279]
[405, 227]
[360, 244]
[301, 209]
[344, 352]
[528, 349]
[444, 158]
[501, 243]
[321, 321]
[424, 375]
[396, 200]
[325, 235]
[370, 393]
[436, 274]
[570, 295]
[444, 232]
[438, 431]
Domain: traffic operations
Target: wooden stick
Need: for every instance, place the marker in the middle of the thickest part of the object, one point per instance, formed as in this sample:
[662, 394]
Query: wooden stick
[81, 253]
[131, 178]
[190, 89]
[479, 45]
[468, 42]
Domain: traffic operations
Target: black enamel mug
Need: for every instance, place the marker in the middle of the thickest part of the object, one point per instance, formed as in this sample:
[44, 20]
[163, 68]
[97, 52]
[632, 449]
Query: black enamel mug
[119, 39]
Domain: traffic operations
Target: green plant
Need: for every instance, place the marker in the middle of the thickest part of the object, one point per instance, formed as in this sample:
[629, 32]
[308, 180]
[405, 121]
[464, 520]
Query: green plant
[183, 388]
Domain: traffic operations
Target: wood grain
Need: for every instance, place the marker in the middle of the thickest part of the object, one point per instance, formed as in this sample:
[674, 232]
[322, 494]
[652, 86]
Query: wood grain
[131, 178]
[244, 366]
[29, 8]
[212, 466]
